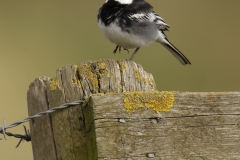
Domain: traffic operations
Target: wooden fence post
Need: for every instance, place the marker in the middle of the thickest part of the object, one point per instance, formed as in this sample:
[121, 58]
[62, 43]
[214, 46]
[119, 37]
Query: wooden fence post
[62, 135]
[119, 121]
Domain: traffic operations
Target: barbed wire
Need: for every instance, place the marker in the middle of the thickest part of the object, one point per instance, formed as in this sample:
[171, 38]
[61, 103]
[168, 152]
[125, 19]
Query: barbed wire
[27, 136]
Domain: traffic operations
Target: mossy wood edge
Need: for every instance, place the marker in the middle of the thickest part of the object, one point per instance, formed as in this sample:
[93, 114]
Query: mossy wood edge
[198, 126]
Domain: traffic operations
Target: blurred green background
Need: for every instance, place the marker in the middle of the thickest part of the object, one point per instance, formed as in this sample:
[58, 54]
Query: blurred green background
[37, 37]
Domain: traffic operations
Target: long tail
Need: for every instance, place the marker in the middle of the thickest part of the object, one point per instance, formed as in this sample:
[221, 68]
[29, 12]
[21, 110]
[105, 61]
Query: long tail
[172, 49]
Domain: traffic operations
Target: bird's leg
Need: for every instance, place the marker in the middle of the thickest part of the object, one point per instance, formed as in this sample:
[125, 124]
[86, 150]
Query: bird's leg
[115, 50]
[119, 49]
[133, 54]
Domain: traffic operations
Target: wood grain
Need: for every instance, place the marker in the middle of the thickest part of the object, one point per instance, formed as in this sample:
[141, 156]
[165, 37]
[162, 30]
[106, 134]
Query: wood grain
[62, 135]
[199, 126]
[41, 128]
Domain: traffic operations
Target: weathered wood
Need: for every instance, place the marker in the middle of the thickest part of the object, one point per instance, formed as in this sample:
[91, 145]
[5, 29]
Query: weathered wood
[116, 123]
[67, 125]
[41, 128]
[62, 134]
[199, 126]
[134, 78]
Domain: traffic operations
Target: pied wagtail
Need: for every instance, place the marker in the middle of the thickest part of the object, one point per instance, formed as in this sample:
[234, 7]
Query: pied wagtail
[133, 24]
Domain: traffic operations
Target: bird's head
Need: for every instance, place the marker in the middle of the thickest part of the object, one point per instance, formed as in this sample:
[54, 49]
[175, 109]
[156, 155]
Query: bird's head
[120, 1]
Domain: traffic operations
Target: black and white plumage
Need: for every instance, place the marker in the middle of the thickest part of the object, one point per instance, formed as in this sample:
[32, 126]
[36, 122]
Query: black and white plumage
[133, 24]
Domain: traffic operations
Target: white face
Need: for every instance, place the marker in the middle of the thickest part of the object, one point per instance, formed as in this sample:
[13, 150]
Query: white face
[122, 1]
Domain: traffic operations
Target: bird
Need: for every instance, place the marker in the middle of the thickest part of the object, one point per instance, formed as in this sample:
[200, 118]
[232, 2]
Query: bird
[132, 24]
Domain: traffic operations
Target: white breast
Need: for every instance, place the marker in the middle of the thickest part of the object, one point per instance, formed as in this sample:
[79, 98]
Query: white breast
[128, 41]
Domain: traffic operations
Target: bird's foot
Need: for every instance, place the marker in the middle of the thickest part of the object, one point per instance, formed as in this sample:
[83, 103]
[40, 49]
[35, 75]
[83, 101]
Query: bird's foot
[118, 48]
[126, 50]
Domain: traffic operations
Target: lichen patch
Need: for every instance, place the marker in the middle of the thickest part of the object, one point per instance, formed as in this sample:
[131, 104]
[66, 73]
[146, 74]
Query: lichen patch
[76, 82]
[86, 70]
[54, 84]
[155, 100]
[137, 74]
[102, 69]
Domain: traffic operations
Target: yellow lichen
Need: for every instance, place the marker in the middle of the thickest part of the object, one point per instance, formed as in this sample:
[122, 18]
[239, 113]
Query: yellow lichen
[54, 84]
[144, 81]
[120, 86]
[151, 82]
[100, 94]
[123, 67]
[137, 74]
[85, 70]
[157, 101]
[75, 67]
[102, 69]
[86, 101]
[76, 82]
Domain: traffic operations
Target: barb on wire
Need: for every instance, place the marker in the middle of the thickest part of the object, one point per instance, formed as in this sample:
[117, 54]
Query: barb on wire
[27, 136]
[4, 126]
